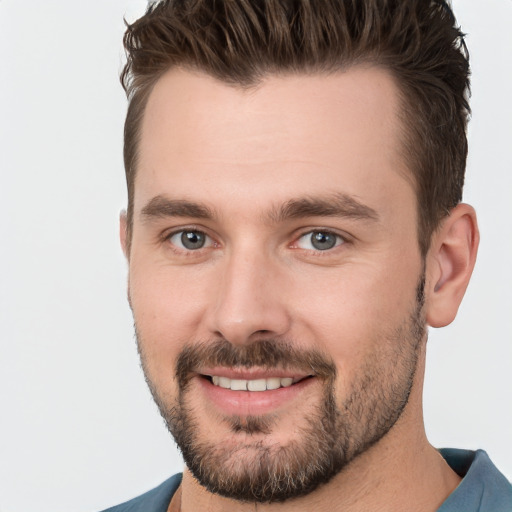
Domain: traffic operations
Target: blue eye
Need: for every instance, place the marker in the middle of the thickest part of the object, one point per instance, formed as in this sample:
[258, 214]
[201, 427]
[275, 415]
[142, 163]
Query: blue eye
[191, 240]
[319, 241]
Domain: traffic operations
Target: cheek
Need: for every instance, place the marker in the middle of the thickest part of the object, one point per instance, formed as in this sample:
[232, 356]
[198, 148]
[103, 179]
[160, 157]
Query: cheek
[167, 311]
[358, 307]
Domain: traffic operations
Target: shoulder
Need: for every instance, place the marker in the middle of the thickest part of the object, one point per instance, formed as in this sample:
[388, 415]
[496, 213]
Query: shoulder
[156, 500]
[482, 489]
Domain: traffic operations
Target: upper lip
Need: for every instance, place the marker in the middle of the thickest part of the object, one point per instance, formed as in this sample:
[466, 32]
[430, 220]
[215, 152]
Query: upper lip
[253, 373]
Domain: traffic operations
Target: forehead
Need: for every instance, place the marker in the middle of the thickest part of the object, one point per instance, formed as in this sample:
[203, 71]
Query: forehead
[317, 131]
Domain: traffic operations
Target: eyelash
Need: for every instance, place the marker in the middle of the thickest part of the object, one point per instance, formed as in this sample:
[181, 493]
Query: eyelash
[166, 238]
[183, 251]
[339, 241]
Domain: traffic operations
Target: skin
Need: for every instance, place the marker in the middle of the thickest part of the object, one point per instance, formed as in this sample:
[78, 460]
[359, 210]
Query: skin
[243, 154]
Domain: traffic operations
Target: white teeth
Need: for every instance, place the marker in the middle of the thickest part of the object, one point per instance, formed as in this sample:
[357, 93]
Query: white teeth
[224, 382]
[238, 385]
[286, 382]
[274, 383]
[253, 385]
[257, 385]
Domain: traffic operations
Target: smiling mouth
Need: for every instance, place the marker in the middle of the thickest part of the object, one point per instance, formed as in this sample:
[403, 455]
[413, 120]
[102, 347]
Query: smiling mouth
[267, 384]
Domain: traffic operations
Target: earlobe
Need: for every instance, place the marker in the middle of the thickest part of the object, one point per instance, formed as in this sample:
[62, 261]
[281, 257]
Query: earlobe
[123, 233]
[451, 259]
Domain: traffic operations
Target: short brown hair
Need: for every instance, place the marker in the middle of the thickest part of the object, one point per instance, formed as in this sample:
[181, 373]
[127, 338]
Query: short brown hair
[242, 41]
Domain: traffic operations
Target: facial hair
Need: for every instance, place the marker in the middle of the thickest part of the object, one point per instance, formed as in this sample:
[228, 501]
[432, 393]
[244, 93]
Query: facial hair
[330, 436]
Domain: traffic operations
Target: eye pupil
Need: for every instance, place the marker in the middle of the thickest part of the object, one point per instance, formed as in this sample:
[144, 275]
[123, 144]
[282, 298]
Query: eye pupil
[323, 241]
[192, 239]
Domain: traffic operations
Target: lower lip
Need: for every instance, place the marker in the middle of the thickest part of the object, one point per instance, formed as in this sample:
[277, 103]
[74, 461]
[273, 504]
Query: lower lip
[252, 403]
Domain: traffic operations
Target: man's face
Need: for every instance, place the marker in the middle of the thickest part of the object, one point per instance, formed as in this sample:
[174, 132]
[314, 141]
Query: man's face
[275, 274]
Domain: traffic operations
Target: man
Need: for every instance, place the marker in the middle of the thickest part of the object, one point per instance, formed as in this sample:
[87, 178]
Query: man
[294, 224]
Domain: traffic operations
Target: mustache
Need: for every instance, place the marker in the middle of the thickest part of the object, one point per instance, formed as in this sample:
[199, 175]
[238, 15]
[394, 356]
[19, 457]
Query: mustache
[266, 354]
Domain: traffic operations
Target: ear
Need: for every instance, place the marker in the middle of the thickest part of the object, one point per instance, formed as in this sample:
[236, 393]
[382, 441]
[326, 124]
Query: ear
[123, 233]
[451, 260]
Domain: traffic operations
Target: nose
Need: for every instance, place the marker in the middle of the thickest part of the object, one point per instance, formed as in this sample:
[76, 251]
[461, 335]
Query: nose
[249, 303]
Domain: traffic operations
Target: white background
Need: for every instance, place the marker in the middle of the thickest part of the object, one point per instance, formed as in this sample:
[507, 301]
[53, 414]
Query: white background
[78, 430]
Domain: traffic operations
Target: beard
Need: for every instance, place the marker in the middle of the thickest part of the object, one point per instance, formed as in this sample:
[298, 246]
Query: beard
[330, 436]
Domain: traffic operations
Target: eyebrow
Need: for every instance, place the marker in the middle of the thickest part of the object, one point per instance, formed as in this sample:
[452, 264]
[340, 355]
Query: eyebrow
[336, 205]
[162, 207]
